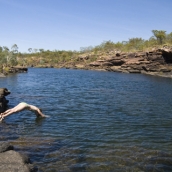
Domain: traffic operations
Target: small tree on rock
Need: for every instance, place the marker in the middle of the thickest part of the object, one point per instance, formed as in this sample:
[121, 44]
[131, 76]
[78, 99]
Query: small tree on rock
[160, 35]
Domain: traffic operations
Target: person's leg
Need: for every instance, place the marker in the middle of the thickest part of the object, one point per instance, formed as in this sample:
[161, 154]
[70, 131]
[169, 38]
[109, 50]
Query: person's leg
[17, 108]
[6, 111]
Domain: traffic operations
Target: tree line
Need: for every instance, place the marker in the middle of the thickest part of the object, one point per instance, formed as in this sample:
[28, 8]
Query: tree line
[11, 56]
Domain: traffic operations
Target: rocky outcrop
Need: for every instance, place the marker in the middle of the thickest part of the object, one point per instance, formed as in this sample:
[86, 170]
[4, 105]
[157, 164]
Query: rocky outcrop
[3, 102]
[157, 61]
[10, 70]
[16, 69]
[11, 160]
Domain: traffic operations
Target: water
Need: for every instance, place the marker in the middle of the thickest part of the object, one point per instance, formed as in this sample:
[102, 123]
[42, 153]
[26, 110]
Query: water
[99, 121]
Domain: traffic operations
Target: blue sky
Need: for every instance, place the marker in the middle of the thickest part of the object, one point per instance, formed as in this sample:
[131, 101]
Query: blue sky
[71, 24]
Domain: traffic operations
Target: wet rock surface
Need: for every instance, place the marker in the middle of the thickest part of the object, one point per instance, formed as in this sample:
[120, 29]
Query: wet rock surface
[10, 160]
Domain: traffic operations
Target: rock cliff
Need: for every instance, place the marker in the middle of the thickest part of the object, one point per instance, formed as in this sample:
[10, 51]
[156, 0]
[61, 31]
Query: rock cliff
[155, 62]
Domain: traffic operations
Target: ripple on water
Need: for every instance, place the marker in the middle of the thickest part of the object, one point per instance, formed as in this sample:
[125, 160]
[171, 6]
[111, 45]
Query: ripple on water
[99, 121]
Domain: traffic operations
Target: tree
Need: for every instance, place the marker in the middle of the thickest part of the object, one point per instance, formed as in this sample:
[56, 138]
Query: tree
[160, 35]
[11, 58]
[30, 50]
[109, 45]
[136, 43]
[169, 38]
[1, 49]
[6, 49]
[14, 48]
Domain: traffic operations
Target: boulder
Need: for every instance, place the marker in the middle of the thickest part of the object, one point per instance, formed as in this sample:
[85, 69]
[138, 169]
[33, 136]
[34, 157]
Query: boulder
[4, 91]
[3, 102]
[4, 146]
[2, 75]
[13, 161]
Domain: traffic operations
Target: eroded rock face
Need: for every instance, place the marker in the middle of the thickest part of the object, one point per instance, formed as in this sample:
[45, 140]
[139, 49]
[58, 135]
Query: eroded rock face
[18, 69]
[155, 61]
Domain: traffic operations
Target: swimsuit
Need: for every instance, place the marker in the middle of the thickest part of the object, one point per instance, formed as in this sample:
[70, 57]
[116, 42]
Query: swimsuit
[25, 103]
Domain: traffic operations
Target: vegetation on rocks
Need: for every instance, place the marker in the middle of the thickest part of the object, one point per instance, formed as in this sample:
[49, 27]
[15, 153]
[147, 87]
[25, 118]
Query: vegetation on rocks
[61, 58]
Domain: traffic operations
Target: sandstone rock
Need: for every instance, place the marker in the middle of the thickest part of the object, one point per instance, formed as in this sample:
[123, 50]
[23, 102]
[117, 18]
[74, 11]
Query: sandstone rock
[155, 61]
[79, 66]
[142, 54]
[151, 68]
[131, 55]
[2, 75]
[107, 63]
[95, 64]
[164, 70]
[134, 71]
[155, 57]
[132, 61]
[13, 161]
[145, 62]
[4, 146]
[101, 61]
[116, 69]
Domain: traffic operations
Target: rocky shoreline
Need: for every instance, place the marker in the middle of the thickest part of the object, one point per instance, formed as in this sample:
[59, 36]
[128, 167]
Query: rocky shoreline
[12, 70]
[156, 62]
[10, 160]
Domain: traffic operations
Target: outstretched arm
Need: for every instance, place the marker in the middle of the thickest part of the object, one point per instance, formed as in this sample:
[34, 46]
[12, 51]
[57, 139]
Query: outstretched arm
[40, 113]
